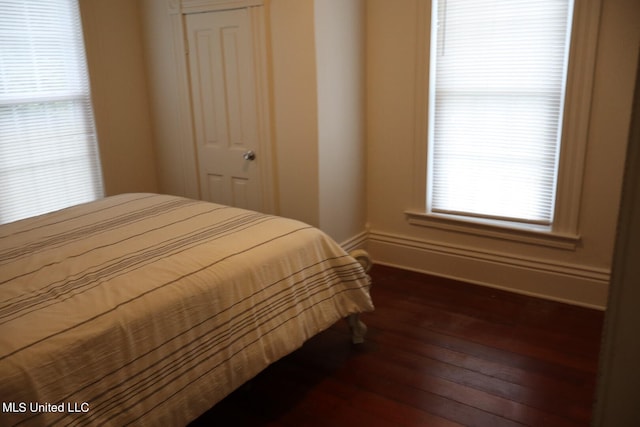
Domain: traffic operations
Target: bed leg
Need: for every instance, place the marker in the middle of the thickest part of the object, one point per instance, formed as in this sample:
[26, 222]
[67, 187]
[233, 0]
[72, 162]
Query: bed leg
[363, 258]
[358, 328]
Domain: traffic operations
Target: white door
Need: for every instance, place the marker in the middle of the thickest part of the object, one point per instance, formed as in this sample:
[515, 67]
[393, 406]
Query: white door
[223, 87]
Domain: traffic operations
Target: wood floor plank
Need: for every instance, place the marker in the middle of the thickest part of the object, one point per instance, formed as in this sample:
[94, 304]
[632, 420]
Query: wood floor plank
[490, 368]
[515, 337]
[399, 413]
[438, 353]
[488, 394]
[441, 338]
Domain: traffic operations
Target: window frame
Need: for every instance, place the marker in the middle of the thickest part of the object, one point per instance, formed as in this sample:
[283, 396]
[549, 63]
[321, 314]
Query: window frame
[564, 232]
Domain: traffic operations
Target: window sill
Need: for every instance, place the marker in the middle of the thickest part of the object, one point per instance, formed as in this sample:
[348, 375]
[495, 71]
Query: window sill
[525, 233]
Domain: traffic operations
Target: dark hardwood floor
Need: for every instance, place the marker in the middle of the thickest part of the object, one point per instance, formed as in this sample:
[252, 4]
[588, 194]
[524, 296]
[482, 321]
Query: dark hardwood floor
[438, 353]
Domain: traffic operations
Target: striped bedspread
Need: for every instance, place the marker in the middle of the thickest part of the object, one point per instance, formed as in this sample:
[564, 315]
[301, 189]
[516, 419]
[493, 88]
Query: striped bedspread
[146, 309]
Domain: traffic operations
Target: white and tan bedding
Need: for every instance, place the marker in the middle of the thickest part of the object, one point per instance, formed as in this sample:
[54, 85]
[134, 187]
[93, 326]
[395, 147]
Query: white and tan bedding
[146, 309]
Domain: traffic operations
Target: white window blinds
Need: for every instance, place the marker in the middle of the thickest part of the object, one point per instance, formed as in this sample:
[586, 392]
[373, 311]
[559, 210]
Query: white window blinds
[498, 71]
[48, 149]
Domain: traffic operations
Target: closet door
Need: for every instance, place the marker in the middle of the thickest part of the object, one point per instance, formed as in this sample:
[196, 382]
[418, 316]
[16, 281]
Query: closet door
[224, 97]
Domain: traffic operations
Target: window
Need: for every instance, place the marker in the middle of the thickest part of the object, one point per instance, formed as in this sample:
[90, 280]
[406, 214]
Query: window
[48, 148]
[502, 114]
[497, 90]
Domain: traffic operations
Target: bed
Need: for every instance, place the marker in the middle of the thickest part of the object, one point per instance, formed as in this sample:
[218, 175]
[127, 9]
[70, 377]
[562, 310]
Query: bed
[147, 309]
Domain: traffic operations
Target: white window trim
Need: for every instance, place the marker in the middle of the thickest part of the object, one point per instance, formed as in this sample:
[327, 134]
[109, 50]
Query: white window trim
[564, 233]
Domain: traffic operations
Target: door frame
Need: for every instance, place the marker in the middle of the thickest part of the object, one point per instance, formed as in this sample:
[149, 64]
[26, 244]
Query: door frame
[257, 15]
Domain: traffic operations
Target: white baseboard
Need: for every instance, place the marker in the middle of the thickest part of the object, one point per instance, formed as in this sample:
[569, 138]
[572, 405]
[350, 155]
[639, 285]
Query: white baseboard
[358, 241]
[577, 285]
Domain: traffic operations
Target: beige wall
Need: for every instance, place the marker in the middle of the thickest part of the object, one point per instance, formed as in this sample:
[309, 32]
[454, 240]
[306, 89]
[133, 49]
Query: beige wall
[579, 275]
[317, 63]
[340, 46]
[118, 84]
[295, 107]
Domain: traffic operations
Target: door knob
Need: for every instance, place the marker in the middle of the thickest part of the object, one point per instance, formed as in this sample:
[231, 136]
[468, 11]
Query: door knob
[249, 155]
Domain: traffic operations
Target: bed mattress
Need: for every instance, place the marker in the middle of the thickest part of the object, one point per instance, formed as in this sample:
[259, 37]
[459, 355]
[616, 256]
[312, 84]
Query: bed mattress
[146, 309]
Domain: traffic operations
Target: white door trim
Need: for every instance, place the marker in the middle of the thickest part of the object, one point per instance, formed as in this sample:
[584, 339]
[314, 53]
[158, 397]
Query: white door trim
[256, 8]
